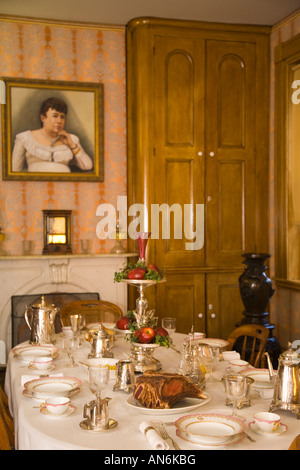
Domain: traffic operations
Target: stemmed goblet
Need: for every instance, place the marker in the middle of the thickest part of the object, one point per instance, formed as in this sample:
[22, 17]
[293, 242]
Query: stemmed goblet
[209, 356]
[98, 379]
[169, 323]
[76, 321]
[70, 344]
[235, 388]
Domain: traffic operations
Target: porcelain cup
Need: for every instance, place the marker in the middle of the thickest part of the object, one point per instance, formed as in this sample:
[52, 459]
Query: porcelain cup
[267, 422]
[42, 363]
[238, 365]
[57, 405]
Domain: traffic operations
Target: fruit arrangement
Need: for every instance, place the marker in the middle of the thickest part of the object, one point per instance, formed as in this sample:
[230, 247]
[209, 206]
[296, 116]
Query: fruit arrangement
[146, 334]
[139, 271]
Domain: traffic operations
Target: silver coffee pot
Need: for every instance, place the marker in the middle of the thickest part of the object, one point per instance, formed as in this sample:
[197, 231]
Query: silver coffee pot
[40, 320]
[100, 343]
[287, 382]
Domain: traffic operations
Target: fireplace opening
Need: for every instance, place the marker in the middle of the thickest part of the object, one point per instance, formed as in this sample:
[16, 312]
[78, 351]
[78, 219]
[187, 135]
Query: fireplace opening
[20, 330]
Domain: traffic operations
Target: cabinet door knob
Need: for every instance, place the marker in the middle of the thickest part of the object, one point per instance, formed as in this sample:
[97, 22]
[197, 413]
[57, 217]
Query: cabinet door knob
[211, 154]
[213, 315]
[200, 153]
[200, 315]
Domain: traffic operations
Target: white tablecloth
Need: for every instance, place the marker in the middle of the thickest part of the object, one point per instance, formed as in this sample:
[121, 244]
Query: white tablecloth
[35, 431]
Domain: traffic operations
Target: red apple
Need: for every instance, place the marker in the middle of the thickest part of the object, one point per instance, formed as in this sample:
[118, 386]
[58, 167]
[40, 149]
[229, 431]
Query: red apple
[146, 335]
[136, 273]
[155, 268]
[161, 331]
[123, 323]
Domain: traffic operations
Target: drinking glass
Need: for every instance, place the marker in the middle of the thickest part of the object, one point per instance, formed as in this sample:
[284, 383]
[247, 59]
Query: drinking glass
[76, 321]
[235, 389]
[209, 356]
[98, 379]
[70, 344]
[169, 324]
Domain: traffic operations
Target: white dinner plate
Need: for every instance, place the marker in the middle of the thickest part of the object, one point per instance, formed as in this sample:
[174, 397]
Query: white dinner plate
[214, 342]
[45, 387]
[209, 428]
[182, 406]
[30, 352]
[260, 376]
[236, 439]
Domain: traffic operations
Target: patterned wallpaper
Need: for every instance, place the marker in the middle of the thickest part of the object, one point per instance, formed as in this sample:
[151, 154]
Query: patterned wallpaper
[54, 51]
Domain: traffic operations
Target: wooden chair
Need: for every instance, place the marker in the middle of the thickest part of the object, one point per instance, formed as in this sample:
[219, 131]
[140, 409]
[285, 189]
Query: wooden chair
[7, 434]
[253, 345]
[295, 445]
[93, 310]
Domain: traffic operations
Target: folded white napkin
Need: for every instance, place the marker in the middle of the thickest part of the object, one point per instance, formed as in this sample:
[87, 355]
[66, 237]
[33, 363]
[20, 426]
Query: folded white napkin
[154, 439]
[230, 355]
[27, 378]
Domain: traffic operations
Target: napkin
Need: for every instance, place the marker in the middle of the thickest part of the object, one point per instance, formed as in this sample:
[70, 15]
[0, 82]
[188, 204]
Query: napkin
[154, 439]
[230, 355]
[27, 378]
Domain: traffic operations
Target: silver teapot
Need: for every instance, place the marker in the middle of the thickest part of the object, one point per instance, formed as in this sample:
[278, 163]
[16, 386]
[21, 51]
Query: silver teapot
[287, 382]
[40, 320]
[100, 343]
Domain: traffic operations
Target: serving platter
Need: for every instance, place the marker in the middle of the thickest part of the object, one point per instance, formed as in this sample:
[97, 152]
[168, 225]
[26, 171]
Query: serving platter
[45, 387]
[182, 406]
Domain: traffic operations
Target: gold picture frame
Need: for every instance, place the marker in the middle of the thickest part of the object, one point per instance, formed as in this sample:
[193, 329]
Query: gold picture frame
[21, 113]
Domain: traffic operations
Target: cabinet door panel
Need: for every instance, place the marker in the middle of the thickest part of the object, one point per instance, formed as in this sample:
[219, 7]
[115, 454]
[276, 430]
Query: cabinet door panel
[230, 121]
[224, 304]
[179, 144]
[183, 297]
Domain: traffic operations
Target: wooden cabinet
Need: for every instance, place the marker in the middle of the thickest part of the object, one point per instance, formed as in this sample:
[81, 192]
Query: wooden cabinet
[198, 105]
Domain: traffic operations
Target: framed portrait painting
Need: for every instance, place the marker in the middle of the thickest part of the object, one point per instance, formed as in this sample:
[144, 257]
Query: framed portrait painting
[52, 130]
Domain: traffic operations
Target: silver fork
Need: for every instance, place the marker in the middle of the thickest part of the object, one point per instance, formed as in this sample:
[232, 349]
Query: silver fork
[164, 433]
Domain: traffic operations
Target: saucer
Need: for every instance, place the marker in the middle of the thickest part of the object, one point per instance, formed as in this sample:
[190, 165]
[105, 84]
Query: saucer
[69, 411]
[281, 429]
[85, 425]
[32, 367]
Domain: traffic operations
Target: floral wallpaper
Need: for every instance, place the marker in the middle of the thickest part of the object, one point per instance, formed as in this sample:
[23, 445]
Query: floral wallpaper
[54, 51]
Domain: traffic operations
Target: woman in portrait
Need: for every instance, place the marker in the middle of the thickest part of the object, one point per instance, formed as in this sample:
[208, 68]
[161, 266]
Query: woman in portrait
[50, 148]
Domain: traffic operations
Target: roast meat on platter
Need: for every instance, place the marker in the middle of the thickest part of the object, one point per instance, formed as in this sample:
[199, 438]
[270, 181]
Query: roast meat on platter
[161, 390]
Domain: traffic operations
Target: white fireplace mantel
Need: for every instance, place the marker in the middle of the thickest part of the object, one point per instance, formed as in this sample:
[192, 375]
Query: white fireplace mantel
[25, 275]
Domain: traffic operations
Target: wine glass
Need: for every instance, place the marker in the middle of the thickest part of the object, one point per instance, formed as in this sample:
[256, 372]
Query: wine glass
[235, 389]
[209, 357]
[98, 379]
[169, 323]
[70, 344]
[76, 320]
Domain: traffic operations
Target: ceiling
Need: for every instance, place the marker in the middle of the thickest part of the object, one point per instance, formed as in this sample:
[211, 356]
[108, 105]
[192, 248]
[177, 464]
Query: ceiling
[119, 12]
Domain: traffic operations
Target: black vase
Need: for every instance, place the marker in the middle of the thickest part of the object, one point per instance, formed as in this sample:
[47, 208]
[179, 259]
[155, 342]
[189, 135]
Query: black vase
[255, 288]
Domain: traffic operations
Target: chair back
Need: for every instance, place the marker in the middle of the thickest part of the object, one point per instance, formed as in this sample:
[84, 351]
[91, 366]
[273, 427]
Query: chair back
[252, 341]
[7, 435]
[93, 310]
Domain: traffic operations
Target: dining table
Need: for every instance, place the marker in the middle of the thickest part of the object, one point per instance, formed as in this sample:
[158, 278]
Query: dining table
[35, 430]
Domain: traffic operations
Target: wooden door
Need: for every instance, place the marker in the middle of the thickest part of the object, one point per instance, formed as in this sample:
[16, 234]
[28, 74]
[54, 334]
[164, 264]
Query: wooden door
[179, 150]
[230, 151]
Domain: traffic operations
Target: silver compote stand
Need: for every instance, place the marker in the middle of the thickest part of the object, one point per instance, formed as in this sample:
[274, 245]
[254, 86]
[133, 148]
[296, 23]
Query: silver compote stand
[142, 353]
